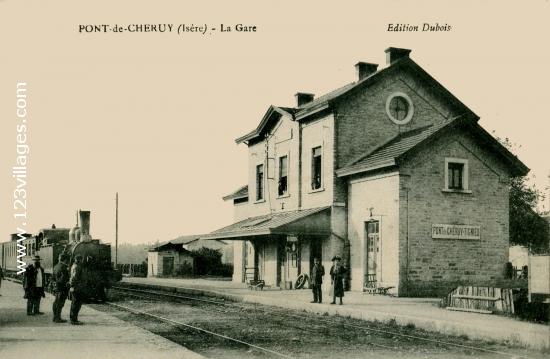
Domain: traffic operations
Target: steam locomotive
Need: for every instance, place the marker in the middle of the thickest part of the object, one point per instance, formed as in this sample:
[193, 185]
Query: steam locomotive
[49, 243]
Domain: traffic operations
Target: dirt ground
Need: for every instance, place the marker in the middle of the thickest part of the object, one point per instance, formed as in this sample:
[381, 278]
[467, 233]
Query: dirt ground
[296, 334]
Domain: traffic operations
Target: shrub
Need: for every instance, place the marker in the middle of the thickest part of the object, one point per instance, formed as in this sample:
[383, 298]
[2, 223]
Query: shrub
[209, 262]
[184, 270]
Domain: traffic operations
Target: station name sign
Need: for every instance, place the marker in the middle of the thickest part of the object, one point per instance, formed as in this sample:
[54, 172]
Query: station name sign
[454, 231]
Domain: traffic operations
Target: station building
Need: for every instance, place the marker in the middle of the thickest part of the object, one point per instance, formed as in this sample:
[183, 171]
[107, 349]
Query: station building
[391, 172]
[168, 258]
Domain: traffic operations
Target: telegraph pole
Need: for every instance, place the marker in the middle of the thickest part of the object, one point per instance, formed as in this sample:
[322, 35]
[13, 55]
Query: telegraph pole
[116, 232]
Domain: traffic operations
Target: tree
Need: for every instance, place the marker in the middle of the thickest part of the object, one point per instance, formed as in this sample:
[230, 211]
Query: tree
[527, 227]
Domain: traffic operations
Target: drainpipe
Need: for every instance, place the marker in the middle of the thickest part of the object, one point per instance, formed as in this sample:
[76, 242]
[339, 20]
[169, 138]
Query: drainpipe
[299, 165]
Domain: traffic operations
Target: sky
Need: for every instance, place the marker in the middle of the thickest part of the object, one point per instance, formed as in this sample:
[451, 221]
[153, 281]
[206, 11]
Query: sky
[154, 116]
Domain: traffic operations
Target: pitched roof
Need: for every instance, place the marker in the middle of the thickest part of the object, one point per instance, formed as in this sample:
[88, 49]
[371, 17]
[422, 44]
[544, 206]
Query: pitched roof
[324, 101]
[168, 245]
[389, 153]
[181, 240]
[316, 220]
[272, 115]
[185, 239]
[386, 154]
[290, 110]
[403, 63]
[320, 101]
[242, 192]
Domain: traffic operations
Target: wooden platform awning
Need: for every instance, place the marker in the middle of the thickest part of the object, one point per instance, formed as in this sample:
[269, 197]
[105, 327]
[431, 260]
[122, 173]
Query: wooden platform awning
[313, 221]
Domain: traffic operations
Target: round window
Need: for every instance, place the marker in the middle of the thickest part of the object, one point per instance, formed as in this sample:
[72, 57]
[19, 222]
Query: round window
[399, 108]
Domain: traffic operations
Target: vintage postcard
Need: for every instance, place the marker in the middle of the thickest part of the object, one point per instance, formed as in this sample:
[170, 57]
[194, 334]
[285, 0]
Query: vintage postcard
[257, 179]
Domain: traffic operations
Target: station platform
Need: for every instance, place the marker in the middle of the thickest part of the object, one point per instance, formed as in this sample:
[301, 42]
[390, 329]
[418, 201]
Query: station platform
[101, 336]
[424, 313]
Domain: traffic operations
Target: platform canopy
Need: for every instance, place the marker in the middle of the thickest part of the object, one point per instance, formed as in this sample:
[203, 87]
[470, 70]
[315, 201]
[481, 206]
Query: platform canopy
[313, 221]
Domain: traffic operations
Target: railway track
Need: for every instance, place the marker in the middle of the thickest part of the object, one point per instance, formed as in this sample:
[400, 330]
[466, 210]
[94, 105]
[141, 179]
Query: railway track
[412, 339]
[177, 323]
[172, 296]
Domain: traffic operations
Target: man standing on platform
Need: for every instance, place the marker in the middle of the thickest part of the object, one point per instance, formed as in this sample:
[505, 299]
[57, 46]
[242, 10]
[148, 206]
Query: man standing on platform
[60, 286]
[317, 273]
[76, 292]
[33, 284]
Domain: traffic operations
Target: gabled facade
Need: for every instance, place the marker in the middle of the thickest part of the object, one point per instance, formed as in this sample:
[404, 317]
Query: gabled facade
[391, 172]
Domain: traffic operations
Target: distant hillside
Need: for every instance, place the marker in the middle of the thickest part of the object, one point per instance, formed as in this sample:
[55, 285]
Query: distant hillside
[130, 253]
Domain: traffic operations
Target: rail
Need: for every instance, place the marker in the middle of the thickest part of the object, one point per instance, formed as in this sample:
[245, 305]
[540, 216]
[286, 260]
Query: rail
[176, 323]
[362, 327]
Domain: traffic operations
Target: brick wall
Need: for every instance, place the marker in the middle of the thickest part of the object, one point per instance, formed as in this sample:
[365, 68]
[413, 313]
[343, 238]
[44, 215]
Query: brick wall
[362, 122]
[437, 265]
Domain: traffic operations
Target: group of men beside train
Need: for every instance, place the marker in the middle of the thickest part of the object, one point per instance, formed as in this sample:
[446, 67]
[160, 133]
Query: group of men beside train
[67, 283]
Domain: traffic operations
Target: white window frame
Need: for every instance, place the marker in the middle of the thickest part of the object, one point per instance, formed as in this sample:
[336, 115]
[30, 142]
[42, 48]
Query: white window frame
[322, 186]
[287, 193]
[409, 116]
[465, 175]
[256, 200]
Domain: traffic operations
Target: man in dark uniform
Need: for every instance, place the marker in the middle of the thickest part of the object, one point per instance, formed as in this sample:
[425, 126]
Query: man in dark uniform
[33, 284]
[60, 286]
[77, 289]
[317, 273]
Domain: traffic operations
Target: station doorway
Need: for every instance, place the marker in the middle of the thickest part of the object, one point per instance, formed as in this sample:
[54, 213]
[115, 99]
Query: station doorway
[250, 262]
[315, 251]
[168, 265]
[373, 263]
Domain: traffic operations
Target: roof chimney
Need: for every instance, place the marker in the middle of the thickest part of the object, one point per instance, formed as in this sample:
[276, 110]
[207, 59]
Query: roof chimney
[394, 53]
[302, 98]
[364, 69]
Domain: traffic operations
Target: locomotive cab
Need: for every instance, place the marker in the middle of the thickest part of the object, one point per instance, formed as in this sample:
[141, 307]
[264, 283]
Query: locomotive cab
[97, 273]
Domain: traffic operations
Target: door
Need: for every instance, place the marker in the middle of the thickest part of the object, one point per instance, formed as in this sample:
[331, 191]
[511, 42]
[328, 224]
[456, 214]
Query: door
[292, 261]
[167, 265]
[249, 262]
[373, 253]
[315, 251]
[281, 259]
[260, 260]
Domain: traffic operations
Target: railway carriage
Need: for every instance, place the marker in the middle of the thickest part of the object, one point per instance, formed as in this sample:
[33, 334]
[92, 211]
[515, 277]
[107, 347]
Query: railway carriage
[8, 252]
[49, 243]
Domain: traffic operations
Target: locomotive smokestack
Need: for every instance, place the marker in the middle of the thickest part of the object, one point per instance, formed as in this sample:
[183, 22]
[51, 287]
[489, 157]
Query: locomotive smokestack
[84, 222]
[84, 225]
